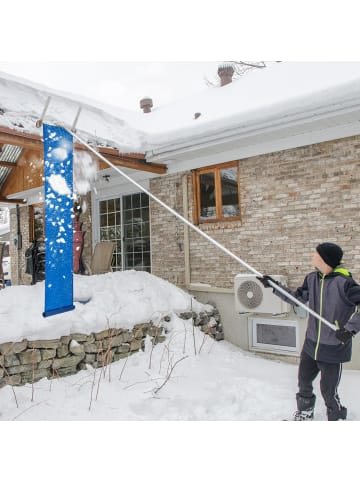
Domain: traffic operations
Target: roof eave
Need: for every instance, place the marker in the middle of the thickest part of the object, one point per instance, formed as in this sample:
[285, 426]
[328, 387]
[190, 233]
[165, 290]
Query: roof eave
[236, 131]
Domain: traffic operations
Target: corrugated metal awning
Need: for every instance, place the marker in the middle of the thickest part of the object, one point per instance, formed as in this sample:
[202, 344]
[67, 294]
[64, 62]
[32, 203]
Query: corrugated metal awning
[9, 154]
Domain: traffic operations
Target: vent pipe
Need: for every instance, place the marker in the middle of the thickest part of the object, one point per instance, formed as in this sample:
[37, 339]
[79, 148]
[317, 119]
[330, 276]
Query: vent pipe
[225, 72]
[145, 104]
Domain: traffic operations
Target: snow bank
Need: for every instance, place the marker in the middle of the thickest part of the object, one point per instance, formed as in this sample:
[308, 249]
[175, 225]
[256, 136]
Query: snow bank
[118, 300]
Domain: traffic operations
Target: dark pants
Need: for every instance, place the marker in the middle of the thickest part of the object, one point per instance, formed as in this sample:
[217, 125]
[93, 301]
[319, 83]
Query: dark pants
[329, 381]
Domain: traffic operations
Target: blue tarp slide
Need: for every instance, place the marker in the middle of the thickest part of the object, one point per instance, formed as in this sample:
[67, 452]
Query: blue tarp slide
[58, 193]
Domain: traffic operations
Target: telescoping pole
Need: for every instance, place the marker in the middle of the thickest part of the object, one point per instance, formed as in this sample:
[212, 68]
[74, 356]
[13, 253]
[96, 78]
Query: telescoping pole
[204, 235]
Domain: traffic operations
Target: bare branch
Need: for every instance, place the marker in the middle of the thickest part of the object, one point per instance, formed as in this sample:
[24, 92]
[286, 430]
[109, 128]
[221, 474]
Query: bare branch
[169, 374]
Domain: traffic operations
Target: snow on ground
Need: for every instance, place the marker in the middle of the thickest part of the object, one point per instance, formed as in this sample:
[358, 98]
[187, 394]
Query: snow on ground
[217, 382]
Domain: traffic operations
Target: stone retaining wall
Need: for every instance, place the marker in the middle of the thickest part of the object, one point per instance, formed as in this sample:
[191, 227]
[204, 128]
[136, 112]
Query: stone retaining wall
[28, 361]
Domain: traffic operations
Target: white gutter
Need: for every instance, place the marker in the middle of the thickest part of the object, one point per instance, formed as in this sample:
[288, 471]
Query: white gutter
[236, 132]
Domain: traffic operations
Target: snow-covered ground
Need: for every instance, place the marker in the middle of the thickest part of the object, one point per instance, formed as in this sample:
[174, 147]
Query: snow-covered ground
[210, 380]
[220, 387]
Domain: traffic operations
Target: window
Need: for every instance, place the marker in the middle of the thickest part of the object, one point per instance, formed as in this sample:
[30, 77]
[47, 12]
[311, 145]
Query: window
[217, 193]
[126, 220]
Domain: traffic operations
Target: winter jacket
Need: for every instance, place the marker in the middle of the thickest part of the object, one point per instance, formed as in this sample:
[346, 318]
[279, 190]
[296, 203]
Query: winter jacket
[335, 297]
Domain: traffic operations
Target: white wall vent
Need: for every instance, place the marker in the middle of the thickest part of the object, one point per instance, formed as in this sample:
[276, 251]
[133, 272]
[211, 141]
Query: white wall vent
[252, 297]
[274, 335]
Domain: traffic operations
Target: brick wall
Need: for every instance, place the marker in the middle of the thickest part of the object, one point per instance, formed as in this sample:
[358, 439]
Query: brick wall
[167, 232]
[290, 201]
[17, 256]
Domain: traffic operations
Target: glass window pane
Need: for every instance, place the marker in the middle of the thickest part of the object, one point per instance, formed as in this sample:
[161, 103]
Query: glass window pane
[145, 214]
[144, 200]
[103, 207]
[103, 220]
[276, 335]
[111, 219]
[145, 229]
[111, 205]
[207, 196]
[127, 202]
[103, 234]
[230, 192]
[128, 231]
[136, 201]
[112, 232]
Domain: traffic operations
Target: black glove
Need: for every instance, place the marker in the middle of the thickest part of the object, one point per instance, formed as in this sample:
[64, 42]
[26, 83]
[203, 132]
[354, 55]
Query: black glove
[265, 280]
[343, 335]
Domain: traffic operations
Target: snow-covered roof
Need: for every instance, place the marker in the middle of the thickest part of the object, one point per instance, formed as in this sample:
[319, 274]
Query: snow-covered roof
[281, 93]
[22, 103]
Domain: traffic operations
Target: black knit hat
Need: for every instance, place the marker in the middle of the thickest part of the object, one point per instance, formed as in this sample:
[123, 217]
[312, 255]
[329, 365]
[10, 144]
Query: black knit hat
[331, 253]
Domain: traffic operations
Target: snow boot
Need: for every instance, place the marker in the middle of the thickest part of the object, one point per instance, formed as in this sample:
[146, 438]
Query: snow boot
[338, 414]
[305, 408]
[303, 415]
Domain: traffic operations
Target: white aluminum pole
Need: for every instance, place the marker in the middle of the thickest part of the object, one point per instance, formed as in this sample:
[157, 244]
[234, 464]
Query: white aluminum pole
[204, 235]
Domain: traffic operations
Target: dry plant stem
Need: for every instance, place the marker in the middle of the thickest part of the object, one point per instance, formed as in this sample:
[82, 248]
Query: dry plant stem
[105, 358]
[102, 360]
[12, 387]
[92, 389]
[54, 372]
[161, 359]
[193, 331]
[9, 376]
[203, 342]
[33, 375]
[164, 313]
[213, 343]
[93, 383]
[143, 381]
[157, 328]
[108, 356]
[166, 348]
[193, 325]
[123, 368]
[26, 409]
[169, 374]
[184, 338]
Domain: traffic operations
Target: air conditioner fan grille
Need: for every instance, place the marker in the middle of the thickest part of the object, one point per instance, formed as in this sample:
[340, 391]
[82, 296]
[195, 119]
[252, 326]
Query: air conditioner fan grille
[250, 294]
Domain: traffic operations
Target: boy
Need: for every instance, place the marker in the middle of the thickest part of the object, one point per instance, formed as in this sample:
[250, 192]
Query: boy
[331, 292]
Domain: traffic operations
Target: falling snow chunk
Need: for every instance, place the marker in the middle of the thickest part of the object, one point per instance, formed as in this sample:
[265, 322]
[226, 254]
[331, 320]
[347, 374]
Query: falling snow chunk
[59, 185]
[60, 154]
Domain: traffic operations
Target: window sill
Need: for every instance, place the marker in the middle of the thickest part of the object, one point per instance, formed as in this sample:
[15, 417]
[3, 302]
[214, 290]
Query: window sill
[212, 226]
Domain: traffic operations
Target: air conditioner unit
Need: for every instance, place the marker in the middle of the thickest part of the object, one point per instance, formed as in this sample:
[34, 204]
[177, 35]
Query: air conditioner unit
[252, 297]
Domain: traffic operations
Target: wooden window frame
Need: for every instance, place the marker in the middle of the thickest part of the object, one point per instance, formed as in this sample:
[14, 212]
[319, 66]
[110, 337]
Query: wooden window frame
[218, 195]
